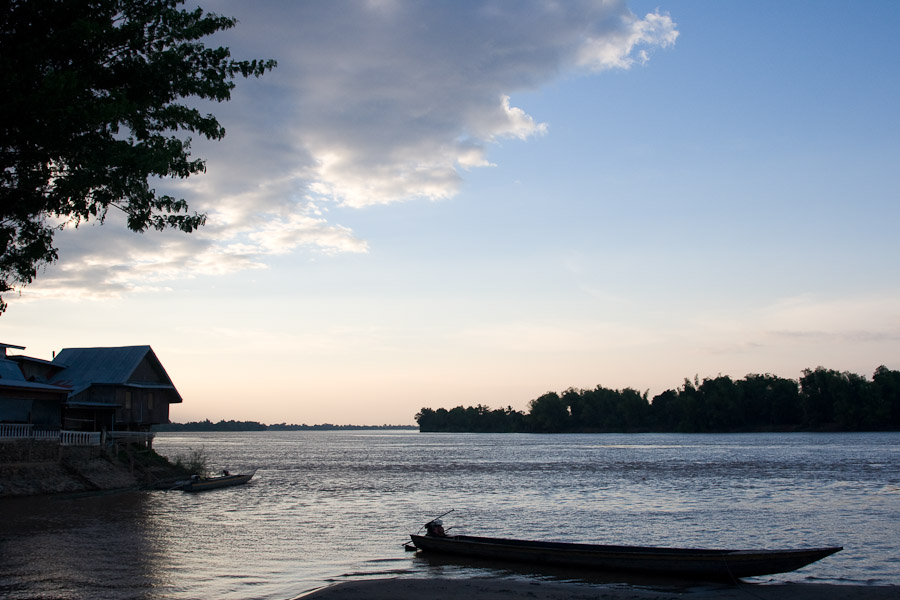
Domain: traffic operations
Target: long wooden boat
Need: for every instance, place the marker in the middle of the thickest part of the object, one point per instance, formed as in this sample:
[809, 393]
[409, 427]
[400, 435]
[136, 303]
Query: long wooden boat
[212, 483]
[678, 562]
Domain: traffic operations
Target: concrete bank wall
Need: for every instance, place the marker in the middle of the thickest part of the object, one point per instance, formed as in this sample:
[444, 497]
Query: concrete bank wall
[37, 467]
[28, 450]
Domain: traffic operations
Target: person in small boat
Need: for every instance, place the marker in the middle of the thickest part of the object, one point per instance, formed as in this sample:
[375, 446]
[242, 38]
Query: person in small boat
[225, 472]
[435, 528]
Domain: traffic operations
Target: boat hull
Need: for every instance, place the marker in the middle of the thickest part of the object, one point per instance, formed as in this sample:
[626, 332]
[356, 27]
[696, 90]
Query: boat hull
[217, 482]
[678, 562]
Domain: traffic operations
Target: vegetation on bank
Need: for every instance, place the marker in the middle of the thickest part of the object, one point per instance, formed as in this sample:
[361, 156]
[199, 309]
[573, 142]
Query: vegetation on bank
[821, 400]
[150, 466]
[194, 463]
[223, 425]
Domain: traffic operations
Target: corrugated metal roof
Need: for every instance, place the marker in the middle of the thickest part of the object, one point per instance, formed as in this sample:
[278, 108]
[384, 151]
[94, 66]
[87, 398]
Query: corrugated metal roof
[149, 386]
[100, 365]
[21, 384]
[11, 377]
[30, 359]
[31, 385]
[10, 371]
[97, 366]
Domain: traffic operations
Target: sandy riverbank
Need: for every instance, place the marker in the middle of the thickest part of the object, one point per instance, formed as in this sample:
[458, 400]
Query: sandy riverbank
[502, 589]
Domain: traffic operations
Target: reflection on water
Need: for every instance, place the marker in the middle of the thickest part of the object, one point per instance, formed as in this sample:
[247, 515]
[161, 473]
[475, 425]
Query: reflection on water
[327, 506]
[62, 547]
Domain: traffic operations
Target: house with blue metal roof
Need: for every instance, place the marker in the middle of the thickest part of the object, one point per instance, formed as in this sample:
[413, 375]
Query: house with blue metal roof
[114, 389]
[118, 391]
[26, 402]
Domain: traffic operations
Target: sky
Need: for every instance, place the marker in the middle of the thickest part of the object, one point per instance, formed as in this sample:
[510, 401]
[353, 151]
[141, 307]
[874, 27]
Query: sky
[434, 204]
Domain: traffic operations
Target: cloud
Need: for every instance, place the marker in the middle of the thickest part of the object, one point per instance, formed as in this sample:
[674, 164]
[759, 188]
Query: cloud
[113, 261]
[616, 48]
[394, 98]
[372, 103]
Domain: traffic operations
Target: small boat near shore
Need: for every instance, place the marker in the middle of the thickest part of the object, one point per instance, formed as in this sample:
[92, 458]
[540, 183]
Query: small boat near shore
[688, 563]
[202, 484]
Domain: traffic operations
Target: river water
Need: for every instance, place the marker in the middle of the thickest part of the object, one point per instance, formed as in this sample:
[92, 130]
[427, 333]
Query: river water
[333, 506]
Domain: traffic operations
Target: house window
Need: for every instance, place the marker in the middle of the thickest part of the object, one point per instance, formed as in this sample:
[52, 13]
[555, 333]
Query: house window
[127, 400]
[150, 401]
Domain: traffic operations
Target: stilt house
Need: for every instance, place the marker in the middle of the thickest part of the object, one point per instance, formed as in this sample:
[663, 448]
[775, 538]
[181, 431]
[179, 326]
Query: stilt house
[114, 389]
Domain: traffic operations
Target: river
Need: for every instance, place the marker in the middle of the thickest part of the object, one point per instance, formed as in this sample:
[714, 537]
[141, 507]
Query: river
[338, 505]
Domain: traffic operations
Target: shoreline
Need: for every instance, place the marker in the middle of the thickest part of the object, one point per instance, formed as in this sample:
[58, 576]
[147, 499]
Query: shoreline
[29, 469]
[507, 589]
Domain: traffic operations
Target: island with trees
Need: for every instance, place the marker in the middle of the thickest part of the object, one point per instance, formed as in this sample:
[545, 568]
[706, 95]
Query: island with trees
[821, 400]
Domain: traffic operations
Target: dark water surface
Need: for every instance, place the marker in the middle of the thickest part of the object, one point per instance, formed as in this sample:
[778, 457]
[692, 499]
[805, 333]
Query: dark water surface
[332, 506]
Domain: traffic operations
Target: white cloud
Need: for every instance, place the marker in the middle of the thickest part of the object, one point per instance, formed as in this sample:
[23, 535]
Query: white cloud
[372, 103]
[111, 261]
[615, 48]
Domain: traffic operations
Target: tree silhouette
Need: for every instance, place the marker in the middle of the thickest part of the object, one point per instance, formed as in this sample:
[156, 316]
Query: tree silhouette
[821, 399]
[91, 108]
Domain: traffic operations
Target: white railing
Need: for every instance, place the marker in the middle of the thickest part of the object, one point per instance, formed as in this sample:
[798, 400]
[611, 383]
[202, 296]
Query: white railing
[79, 438]
[19, 431]
[45, 434]
[15, 430]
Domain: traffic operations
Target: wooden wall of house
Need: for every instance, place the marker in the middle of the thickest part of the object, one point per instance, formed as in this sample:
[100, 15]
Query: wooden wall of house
[88, 419]
[147, 372]
[141, 407]
[97, 393]
[135, 411]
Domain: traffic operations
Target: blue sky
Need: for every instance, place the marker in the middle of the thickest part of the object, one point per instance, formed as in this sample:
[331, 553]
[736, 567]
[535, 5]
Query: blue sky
[435, 204]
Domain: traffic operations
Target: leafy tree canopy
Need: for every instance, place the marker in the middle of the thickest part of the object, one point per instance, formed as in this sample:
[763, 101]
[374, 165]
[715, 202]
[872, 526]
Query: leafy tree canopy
[91, 107]
[823, 400]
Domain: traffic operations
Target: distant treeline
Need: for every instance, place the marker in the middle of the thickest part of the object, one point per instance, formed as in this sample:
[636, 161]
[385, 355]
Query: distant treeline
[208, 425]
[822, 400]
